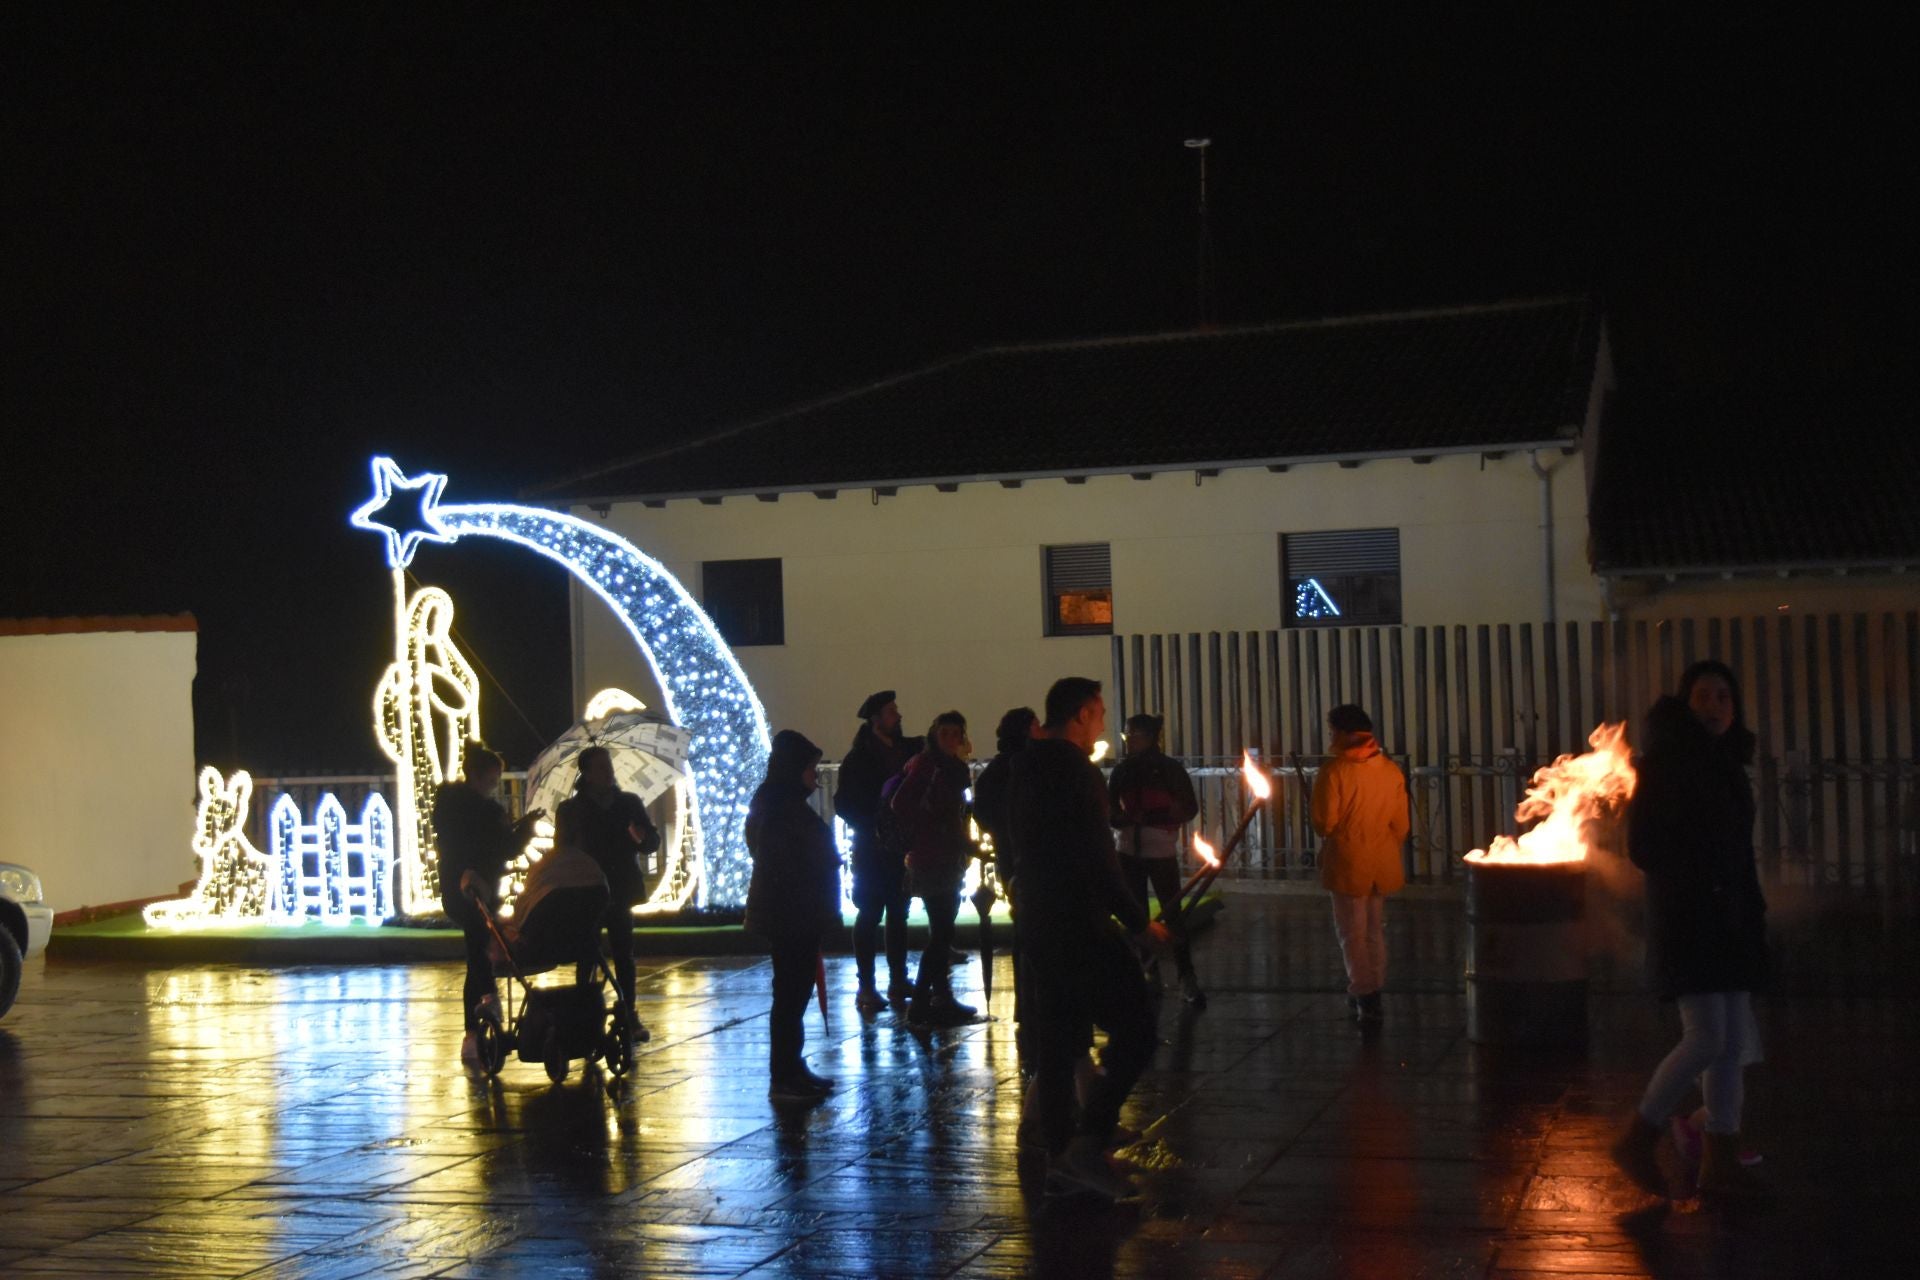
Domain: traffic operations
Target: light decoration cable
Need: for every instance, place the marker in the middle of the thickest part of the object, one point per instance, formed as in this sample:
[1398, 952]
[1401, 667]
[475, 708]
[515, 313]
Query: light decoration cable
[329, 869]
[234, 876]
[425, 708]
[704, 689]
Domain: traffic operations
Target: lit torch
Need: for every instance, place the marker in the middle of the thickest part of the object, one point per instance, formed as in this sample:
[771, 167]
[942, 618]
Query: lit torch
[1260, 789]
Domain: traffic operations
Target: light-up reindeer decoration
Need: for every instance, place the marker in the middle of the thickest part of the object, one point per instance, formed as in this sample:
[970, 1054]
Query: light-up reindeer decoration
[233, 874]
[427, 707]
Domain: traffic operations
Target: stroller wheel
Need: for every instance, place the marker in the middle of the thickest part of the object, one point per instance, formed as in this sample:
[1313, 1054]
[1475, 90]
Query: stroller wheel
[493, 1046]
[555, 1059]
[618, 1050]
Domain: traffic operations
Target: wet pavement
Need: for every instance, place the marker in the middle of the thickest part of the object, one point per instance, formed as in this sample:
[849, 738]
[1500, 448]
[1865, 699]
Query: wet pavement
[314, 1122]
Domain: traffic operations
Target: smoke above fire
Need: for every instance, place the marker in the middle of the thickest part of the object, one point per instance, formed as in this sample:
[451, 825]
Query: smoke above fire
[1563, 797]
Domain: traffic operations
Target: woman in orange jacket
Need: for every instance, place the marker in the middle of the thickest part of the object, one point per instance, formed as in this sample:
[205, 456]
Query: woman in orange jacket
[1360, 811]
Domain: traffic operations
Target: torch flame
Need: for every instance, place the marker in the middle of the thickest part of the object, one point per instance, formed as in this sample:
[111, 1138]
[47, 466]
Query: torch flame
[1256, 777]
[1205, 850]
[1564, 796]
[1100, 750]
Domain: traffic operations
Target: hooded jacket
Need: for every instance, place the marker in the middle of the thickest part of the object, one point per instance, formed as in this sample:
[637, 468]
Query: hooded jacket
[1151, 798]
[1690, 829]
[794, 895]
[1360, 811]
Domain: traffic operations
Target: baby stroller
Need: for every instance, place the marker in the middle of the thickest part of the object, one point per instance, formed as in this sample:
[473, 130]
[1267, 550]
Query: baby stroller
[556, 923]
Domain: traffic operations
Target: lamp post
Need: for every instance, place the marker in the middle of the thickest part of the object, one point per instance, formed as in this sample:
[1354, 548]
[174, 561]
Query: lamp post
[1202, 301]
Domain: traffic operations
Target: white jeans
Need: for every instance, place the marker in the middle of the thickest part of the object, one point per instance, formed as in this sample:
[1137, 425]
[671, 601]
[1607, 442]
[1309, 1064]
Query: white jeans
[1718, 1038]
[1362, 926]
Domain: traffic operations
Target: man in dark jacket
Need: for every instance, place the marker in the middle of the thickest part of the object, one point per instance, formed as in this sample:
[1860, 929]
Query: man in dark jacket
[1082, 965]
[879, 874]
[1152, 798]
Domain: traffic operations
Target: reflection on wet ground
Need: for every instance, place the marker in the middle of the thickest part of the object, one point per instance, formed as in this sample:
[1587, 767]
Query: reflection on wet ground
[224, 1121]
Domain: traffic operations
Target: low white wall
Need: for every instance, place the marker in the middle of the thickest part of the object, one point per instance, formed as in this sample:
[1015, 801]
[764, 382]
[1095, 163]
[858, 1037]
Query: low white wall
[96, 762]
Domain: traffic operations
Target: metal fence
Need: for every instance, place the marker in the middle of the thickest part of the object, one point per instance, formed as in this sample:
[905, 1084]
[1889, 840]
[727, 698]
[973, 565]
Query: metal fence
[1471, 711]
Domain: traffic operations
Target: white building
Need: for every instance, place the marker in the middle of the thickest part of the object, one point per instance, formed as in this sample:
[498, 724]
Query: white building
[969, 532]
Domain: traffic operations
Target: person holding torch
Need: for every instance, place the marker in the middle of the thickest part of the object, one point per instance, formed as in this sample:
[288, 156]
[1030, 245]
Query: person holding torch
[1082, 964]
[1152, 798]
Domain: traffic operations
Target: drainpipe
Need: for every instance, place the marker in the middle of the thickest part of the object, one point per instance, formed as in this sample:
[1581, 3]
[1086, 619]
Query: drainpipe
[1546, 530]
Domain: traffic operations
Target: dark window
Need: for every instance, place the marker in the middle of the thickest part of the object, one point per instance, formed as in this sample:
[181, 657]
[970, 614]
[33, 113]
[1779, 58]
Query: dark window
[1079, 590]
[743, 598]
[1345, 578]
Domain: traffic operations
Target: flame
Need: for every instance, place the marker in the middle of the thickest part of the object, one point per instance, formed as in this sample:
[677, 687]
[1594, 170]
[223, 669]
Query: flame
[1100, 750]
[1256, 777]
[1564, 796]
[1205, 850]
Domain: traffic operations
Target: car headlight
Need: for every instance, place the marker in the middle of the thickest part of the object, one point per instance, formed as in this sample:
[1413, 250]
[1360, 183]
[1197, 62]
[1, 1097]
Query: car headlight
[20, 884]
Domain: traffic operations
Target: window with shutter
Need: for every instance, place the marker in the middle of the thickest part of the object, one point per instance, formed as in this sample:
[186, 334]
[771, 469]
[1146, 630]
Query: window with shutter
[1078, 582]
[1341, 578]
[745, 600]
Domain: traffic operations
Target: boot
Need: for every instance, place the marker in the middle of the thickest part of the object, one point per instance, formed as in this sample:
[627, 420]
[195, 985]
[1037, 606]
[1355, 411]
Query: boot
[1722, 1174]
[869, 1001]
[1082, 1170]
[1635, 1151]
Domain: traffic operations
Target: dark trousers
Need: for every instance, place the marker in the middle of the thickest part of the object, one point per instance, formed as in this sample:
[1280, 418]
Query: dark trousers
[879, 889]
[1164, 875]
[473, 931]
[619, 925]
[943, 908]
[1093, 978]
[794, 964]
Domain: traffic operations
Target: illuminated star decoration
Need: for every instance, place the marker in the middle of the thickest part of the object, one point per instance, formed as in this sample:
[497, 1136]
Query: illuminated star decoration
[700, 680]
[418, 520]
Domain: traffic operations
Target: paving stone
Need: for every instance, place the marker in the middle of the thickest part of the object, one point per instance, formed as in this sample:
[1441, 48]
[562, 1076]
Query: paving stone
[314, 1124]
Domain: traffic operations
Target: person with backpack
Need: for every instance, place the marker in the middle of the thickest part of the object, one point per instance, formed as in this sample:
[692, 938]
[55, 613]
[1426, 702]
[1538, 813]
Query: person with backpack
[1152, 799]
[877, 754]
[930, 808]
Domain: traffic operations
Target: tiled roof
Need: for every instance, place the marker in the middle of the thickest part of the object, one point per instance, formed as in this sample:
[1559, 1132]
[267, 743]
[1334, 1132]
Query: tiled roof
[1471, 378]
[97, 623]
[1817, 481]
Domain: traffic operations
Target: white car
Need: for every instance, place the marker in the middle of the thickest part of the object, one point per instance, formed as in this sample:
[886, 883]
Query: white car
[25, 923]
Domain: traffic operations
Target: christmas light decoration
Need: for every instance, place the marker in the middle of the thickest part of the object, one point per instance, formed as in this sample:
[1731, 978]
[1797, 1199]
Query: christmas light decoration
[705, 690]
[331, 869]
[425, 708]
[1310, 600]
[233, 874]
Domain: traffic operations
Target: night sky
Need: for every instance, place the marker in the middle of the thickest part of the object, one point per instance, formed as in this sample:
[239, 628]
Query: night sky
[246, 247]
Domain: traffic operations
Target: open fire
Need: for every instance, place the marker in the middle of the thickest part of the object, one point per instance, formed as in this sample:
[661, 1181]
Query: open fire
[1563, 796]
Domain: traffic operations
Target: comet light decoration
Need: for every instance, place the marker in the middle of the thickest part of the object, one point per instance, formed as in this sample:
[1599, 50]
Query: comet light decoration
[425, 708]
[701, 682]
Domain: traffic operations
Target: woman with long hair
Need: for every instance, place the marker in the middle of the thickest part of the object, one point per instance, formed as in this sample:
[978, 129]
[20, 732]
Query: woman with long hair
[1690, 829]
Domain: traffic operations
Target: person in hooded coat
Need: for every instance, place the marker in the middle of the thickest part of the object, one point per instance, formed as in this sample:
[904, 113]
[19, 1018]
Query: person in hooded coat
[1690, 830]
[1360, 812]
[1016, 730]
[793, 901]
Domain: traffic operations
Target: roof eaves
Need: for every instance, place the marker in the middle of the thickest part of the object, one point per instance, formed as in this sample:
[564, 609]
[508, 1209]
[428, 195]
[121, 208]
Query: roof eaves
[1061, 473]
[1756, 569]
